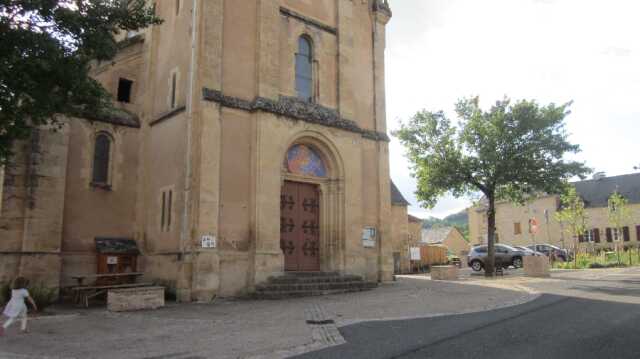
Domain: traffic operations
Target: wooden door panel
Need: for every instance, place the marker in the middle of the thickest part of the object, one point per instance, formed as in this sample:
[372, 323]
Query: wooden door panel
[299, 226]
[288, 225]
[310, 228]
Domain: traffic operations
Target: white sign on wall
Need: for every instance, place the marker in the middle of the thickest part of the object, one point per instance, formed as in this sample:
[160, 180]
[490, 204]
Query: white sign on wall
[368, 237]
[112, 260]
[208, 241]
[414, 253]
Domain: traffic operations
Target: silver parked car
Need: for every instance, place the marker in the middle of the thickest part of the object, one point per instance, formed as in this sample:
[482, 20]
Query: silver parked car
[505, 256]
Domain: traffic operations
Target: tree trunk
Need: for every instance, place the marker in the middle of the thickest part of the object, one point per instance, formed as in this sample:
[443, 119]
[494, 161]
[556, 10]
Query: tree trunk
[489, 265]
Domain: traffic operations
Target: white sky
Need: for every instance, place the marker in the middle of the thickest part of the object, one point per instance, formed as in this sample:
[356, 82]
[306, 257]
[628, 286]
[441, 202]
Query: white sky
[587, 51]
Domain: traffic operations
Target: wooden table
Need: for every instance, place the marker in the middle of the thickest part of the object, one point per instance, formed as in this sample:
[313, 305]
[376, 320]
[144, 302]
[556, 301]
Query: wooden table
[81, 278]
[82, 293]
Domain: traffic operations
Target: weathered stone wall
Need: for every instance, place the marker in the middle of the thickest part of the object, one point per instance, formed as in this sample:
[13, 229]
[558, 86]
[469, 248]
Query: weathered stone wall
[32, 210]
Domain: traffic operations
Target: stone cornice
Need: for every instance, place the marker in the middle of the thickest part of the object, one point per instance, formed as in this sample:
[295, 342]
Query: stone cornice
[309, 21]
[296, 109]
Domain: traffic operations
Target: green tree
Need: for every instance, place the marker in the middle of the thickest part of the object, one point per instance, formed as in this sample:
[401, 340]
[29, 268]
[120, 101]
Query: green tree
[46, 49]
[574, 216]
[619, 216]
[511, 152]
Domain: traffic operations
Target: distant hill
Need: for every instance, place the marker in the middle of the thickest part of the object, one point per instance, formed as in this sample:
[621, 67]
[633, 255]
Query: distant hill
[459, 220]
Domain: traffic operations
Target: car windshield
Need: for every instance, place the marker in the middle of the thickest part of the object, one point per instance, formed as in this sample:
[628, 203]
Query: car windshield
[507, 247]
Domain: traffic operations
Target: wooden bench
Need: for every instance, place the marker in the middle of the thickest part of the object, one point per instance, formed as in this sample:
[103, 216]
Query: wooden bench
[82, 294]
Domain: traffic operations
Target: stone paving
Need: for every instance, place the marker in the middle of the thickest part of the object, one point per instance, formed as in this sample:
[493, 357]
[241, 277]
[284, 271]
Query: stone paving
[246, 328]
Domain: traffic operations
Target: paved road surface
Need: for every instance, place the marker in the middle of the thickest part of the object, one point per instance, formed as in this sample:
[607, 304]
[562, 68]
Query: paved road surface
[588, 314]
[549, 327]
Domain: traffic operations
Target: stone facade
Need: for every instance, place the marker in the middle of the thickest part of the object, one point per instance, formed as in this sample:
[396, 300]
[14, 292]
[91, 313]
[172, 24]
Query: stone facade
[212, 111]
[512, 221]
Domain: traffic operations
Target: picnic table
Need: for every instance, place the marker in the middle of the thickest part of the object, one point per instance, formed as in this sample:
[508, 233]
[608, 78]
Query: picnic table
[81, 278]
[82, 293]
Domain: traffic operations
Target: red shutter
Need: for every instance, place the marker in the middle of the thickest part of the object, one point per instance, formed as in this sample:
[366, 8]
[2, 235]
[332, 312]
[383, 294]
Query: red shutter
[581, 238]
[609, 237]
[596, 234]
[625, 234]
[638, 233]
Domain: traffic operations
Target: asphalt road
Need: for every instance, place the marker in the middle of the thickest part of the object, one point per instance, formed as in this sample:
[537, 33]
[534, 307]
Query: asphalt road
[552, 326]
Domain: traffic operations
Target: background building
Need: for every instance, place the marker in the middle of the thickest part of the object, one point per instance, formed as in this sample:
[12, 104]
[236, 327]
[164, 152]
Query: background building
[512, 221]
[449, 237]
[254, 127]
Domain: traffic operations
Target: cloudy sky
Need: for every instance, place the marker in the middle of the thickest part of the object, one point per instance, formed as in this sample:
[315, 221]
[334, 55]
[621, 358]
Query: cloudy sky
[587, 51]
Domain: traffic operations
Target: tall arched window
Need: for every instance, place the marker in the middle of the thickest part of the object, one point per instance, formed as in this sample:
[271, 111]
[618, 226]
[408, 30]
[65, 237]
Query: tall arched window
[101, 154]
[304, 69]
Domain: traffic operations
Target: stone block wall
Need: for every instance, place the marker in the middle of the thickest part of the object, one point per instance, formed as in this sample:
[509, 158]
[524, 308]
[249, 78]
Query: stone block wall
[124, 300]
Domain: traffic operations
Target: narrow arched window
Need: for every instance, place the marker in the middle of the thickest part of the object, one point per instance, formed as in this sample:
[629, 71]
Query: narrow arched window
[304, 69]
[101, 154]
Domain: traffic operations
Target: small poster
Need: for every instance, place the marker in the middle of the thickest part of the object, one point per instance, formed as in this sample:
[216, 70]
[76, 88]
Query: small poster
[112, 260]
[414, 253]
[368, 237]
[208, 241]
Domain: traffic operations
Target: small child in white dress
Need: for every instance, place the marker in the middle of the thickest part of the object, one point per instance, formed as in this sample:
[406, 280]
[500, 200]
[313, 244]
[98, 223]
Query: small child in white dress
[17, 306]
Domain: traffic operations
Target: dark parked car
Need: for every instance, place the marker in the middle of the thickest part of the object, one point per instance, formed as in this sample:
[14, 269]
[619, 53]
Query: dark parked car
[547, 249]
[505, 256]
[528, 251]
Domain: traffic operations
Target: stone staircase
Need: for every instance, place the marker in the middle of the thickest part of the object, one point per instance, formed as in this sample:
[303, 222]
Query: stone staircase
[305, 284]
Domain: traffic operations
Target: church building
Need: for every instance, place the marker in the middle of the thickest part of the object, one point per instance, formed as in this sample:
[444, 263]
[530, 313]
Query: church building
[249, 141]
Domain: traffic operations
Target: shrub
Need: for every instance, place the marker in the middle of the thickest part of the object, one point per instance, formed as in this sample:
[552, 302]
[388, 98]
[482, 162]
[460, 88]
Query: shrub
[43, 296]
[5, 293]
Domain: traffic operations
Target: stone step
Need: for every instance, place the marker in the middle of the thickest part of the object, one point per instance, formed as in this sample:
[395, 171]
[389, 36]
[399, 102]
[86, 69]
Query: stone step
[293, 279]
[305, 293]
[311, 274]
[315, 286]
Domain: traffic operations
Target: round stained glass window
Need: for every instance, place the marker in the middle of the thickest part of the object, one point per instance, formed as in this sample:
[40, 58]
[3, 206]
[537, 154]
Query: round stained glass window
[304, 160]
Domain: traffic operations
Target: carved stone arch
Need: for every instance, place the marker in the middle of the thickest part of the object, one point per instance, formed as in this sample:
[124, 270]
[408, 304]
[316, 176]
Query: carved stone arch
[325, 148]
[331, 196]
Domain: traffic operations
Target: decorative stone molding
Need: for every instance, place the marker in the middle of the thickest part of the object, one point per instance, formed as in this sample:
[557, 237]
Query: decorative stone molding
[308, 21]
[294, 108]
[382, 6]
[114, 116]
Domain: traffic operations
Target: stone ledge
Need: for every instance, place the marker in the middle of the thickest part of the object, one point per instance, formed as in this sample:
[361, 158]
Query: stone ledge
[536, 266]
[295, 109]
[130, 299]
[444, 273]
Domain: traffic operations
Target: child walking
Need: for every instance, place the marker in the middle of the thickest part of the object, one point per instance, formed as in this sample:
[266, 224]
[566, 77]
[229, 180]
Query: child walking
[17, 306]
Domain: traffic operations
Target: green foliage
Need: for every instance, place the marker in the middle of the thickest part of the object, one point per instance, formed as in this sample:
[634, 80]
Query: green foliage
[619, 216]
[46, 48]
[512, 152]
[601, 260]
[618, 212]
[42, 295]
[458, 220]
[5, 293]
[573, 215]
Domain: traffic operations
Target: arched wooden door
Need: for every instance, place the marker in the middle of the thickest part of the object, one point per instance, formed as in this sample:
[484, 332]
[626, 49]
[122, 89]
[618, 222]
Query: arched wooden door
[299, 226]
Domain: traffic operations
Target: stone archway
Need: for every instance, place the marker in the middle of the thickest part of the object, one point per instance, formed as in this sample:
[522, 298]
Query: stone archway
[312, 174]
